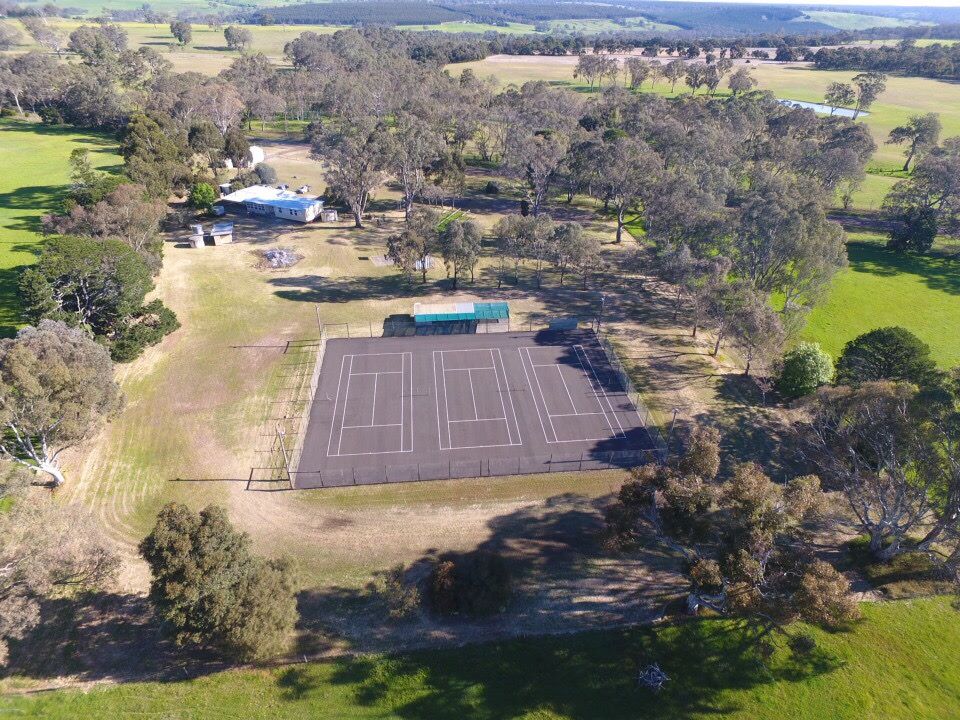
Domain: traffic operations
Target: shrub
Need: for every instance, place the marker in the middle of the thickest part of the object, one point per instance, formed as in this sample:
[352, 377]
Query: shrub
[202, 196]
[805, 368]
[146, 327]
[890, 353]
[212, 591]
[266, 173]
[402, 598]
[474, 584]
[491, 188]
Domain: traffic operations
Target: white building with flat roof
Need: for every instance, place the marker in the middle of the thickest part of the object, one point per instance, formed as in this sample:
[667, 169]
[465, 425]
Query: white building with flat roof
[266, 200]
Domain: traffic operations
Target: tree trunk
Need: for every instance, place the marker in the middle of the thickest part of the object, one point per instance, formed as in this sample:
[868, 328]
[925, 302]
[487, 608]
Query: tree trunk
[716, 345]
[906, 165]
[52, 470]
[357, 221]
[694, 333]
[619, 225]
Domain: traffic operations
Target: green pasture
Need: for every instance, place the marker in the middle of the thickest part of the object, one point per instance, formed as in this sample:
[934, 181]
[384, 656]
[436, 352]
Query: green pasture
[855, 21]
[900, 662]
[34, 182]
[513, 28]
[588, 26]
[881, 288]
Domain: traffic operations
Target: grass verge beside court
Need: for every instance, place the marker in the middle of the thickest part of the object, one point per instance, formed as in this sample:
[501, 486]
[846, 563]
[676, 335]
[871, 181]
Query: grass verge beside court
[902, 661]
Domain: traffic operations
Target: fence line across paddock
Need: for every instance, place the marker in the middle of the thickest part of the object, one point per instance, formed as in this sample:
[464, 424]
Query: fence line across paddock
[475, 468]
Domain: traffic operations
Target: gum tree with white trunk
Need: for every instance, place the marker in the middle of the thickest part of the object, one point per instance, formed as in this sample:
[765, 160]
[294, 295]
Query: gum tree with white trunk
[56, 392]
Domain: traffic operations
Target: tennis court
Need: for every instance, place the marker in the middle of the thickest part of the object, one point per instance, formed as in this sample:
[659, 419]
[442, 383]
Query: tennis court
[431, 407]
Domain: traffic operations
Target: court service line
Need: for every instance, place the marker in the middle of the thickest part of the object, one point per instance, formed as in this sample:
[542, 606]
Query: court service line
[600, 390]
[357, 427]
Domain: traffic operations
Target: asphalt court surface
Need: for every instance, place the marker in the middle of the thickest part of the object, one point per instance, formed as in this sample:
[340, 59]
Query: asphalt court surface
[426, 407]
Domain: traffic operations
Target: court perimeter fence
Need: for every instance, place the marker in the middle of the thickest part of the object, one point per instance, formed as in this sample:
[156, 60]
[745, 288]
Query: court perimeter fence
[290, 430]
[476, 468]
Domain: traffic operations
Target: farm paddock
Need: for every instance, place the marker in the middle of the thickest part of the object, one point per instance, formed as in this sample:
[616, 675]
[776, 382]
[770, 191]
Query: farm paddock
[447, 406]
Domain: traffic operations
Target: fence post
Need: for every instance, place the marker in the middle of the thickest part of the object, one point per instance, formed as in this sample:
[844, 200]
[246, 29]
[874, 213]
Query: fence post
[354, 473]
[370, 323]
[418, 472]
[580, 466]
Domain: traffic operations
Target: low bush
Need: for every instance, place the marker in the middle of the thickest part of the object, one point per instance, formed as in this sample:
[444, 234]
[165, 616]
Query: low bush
[401, 597]
[474, 584]
[146, 327]
[805, 368]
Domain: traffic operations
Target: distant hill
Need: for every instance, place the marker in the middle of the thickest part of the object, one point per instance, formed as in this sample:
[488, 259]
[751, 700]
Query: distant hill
[699, 17]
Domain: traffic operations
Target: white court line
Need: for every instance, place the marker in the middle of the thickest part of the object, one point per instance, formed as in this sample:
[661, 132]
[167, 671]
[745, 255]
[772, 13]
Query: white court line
[499, 419]
[601, 391]
[476, 418]
[354, 427]
[503, 405]
[373, 423]
[446, 401]
[542, 398]
[403, 418]
[513, 409]
[436, 395]
[473, 396]
[577, 414]
[336, 403]
[346, 404]
[573, 405]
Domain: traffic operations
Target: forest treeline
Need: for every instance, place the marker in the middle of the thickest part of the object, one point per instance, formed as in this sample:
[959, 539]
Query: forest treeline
[934, 61]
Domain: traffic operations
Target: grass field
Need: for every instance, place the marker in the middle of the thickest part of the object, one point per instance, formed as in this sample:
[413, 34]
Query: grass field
[855, 21]
[34, 182]
[885, 288]
[604, 25]
[512, 28]
[901, 662]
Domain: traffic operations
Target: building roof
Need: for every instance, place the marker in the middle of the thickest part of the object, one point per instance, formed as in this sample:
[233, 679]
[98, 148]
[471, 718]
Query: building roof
[440, 312]
[274, 197]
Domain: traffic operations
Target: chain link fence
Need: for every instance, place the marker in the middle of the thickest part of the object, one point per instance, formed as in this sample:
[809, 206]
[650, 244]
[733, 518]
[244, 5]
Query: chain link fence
[476, 468]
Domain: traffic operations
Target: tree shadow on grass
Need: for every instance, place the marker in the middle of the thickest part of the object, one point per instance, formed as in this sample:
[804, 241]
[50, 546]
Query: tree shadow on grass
[577, 676]
[938, 273]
